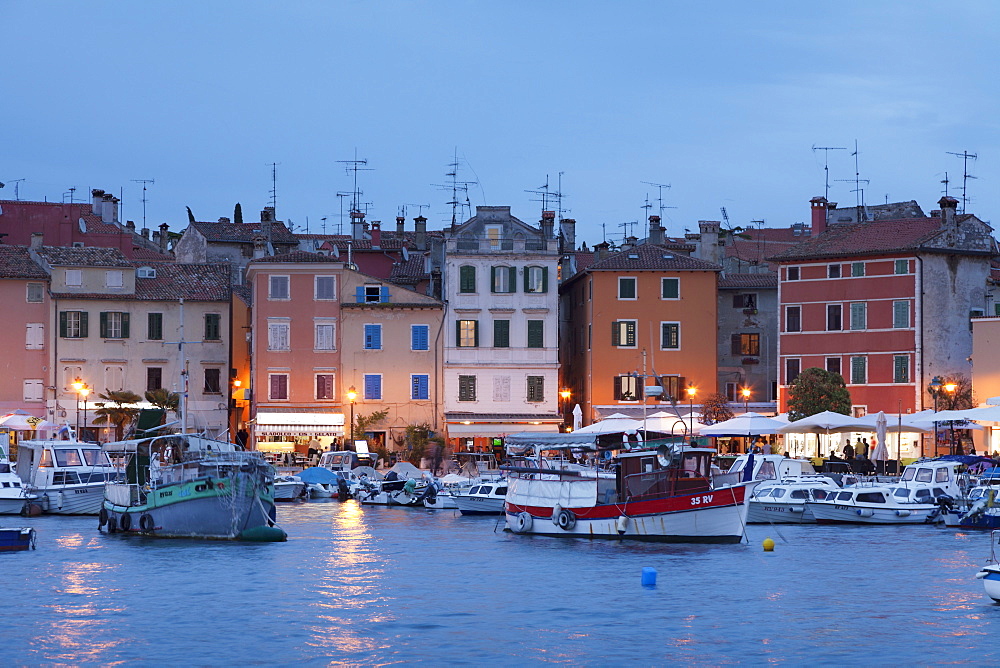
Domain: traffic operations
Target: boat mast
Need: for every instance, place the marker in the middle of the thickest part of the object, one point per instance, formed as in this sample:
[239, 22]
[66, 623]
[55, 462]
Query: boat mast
[184, 372]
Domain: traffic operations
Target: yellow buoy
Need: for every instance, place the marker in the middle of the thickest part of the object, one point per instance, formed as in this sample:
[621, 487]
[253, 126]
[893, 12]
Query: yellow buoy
[768, 545]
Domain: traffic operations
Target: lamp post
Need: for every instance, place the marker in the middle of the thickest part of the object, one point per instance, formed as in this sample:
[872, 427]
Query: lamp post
[564, 395]
[352, 394]
[78, 386]
[950, 389]
[84, 391]
[691, 392]
[935, 387]
[746, 399]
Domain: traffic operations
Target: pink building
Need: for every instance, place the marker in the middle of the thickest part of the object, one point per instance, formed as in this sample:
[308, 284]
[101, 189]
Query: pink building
[24, 337]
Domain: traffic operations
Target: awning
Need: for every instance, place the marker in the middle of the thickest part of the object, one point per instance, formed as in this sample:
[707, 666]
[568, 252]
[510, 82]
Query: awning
[313, 424]
[262, 431]
[490, 429]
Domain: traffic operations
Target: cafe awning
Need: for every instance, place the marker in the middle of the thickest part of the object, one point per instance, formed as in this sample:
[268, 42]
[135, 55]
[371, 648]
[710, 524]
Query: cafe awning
[313, 424]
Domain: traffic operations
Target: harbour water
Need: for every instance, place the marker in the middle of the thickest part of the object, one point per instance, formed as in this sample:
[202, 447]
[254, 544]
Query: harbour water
[377, 586]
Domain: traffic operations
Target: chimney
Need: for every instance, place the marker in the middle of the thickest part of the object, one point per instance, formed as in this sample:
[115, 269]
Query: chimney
[399, 225]
[420, 233]
[109, 208]
[224, 219]
[36, 240]
[819, 209]
[600, 251]
[259, 247]
[949, 207]
[630, 243]
[267, 215]
[376, 234]
[130, 226]
[357, 225]
[435, 284]
[548, 223]
[708, 245]
[655, 231]
[144, 232]
[568, 226]
[163, 237]
[96, 197]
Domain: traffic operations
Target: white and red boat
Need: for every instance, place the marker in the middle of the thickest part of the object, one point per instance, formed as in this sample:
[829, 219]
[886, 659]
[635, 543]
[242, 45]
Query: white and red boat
[571, 485]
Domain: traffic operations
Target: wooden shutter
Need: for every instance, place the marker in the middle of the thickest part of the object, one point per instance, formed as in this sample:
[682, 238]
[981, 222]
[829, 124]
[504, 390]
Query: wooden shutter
[511, 279]
[359, 294]
[125, 325]
[630, 334]
[545, 279]
[501, 333]
[535, 333]
[63, 327]
[84, 330]
[616, 339]
[475, 333]
[736, 342]
[384, 294]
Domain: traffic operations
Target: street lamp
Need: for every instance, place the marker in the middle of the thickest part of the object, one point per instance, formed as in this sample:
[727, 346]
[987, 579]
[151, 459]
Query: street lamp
[935, 386]
[352, 394]
[564, 395]
[78, 386]
[950, 389]
[746, 399]
[691, 392]
[84, 391]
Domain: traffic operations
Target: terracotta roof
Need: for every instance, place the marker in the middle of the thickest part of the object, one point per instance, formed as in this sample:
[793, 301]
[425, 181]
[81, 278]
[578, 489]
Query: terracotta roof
[243, 232]
[651, 257]
[244, 293]
[410, 271]
[737, 281]
[59, 256]
[877, 237]
[15, 262]
[194, 282]
[148, 255]
[37, 214]
[298, 256]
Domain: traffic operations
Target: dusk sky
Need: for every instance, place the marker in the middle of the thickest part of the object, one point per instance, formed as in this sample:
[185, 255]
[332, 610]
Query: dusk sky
[723, 101]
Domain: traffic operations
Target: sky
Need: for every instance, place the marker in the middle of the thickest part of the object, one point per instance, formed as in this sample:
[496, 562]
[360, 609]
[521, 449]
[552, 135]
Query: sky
[721, 101]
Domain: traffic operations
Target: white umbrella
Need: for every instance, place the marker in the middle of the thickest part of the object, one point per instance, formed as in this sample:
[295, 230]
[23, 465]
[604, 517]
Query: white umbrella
[895, 423]
[22, 422]
[820, 423]
[613, 424]
[747, 424]
[577, 417]
[667, 423]
[881, 452]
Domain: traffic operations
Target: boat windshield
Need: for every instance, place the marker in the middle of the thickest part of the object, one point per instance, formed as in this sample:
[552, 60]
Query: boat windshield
[66, 457]
[901, 493]
[924, 475]
[95, 457]
[941, 475]
[778, 493]
[843, 496]
[908, 473]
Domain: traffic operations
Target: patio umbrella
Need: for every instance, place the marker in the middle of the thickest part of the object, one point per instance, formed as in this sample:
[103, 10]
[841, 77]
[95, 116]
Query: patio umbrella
[613, 424]
[747, 424]
[667, 423]
[21, 422]
[826, 422]
[881, 451]
[577, 417]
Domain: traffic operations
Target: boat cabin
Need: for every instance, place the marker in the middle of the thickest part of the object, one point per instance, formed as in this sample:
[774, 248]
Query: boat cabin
[772, 467]
[347, 460]
[937, 476]
[666, 471]
[48, 463]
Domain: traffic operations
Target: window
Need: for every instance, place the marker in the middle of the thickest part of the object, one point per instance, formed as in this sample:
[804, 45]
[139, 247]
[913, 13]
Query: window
[833, 271]
[278, 287]
[859, 315]
[154, 378]
[154, 326]
[213, 381]
[278, 386]
[324, 386]
[859, 370]
[745, 301]
[902, 266]
[536, 333]
[746, 343]
[536, 279]
[371, 294]
[420, 337]
[114, 325]
[834, 322]
[536, 388]
[420, 387]
[502, 279]
[74, 278]
[466, 388]
[373, 337]
[670, 335]
[901, 314]
[325, 336]
[467, 333]
[670, 288]
[731, 392]
[901, 368]
[36, 293]
[793, 366]
[114, 279]
[626, 288]
[213, 327]
[466, 279]
[792, 274]
[623, 333]
[34, 338]
[33, 389]
[673, 387]
[627, 388]
[325, 288]
[833, 364]
[857, 269]
[277, 336]
[493, 233]
[73, 324]
[793, 318]
[114, 377]
[373, 386]
[501, 333]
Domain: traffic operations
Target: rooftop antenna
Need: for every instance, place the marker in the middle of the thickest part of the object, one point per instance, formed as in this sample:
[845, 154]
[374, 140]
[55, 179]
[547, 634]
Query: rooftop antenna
[323, 220]
[340, 221]
[17, 190]
[355, 166]
[859, 197]
[144, 182]
[826, 165]
[559, 197]
[945, 181]
[456, 187]
[547, 195]
[628, 232]
[274, 187]
[965, 155]
[69, 192]
[604, 232]
[420, 208]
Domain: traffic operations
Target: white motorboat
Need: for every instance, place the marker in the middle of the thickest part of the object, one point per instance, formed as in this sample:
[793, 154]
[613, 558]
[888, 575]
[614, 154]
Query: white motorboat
[446, 487]
[13, 495]
[990, 573]
[873, 505]
[288, 488]
[785, 501]
[67, 476]
[486, 498]
[403, 485]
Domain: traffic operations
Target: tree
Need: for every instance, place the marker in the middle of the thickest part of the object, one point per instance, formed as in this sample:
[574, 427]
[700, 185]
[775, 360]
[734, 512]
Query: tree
[816, 390]
[958, 399]
[363, 423]
[190, 215]
[166, 400]
[238, 214]
[715, 409]
[118, 414]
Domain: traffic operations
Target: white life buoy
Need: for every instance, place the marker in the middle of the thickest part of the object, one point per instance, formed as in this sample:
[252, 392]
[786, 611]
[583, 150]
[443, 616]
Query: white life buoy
[566, 520]
[522, 522]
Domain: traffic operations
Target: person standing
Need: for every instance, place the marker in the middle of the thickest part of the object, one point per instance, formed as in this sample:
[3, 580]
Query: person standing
[848, 450]
[864, 448]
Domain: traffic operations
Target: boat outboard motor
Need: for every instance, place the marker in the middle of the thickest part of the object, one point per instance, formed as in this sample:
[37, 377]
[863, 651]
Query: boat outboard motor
[429, 493]
[343, 491]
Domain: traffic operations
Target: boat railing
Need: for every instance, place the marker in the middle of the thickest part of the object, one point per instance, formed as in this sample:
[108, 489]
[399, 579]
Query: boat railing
[661, 483]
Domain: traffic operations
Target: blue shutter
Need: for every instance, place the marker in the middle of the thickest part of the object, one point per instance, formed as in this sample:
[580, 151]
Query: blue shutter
[359, 294]
[373, 337]
[420, 387]
[384, 294]
[419, 337]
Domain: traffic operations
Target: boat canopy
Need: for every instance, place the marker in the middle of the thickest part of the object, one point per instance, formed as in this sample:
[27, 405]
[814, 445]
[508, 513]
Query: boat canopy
[544, 441]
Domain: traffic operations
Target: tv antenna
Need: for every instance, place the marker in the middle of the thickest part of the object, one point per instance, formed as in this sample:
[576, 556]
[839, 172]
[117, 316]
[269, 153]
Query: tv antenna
[659, 197]
[69, 192]
[456, 187]
[355, 166]
[340, 221]
[274, 187]
[420, 208]
[17, 190]
[859, 196]
[144, 183]
[628, 231]
[826, 165]
[547, 195]
[964, 155]
[945, 181]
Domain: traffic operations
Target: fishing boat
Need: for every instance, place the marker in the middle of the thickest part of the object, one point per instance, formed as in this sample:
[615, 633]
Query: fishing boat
[16, 539]
[190, 486]
[990, 573]
[655, 491]
[66, 476]
[13, 494]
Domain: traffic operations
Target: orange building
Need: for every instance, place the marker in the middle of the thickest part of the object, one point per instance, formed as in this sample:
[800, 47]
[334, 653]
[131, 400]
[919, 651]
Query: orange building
[643, 310]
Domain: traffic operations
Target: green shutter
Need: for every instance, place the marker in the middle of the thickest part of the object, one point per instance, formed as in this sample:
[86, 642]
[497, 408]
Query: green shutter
[104, 325]
[501, 333]
[125, 320]
[62, 324]
[84, 331]
[545, 279]
[535, 333]
[458, 333]
[512, 279]
[475, 331]
[493, 279]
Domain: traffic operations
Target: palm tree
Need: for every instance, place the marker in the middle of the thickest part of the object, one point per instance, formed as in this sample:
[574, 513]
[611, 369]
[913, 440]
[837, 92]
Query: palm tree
[166, 400]
[118, 414]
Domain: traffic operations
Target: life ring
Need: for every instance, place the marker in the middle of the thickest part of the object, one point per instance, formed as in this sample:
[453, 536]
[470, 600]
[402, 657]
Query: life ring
[146, 524]
[112, 524]
[102, 517]
[566, 520]
[126, 522]
[522, 522]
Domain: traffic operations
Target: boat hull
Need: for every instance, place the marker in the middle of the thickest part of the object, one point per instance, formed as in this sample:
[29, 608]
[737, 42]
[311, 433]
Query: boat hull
[990, 575]
[716, 516]
[830, 513]
[441, 502]
[479, 505]
[779, 513]
[12, 505]
[16, 539]
[71, 499]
